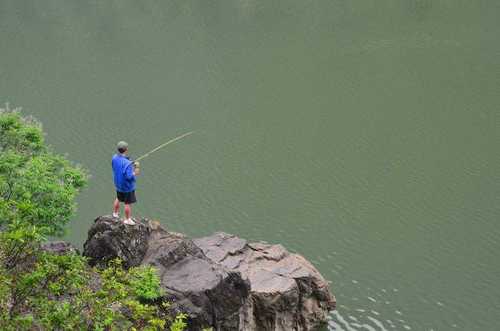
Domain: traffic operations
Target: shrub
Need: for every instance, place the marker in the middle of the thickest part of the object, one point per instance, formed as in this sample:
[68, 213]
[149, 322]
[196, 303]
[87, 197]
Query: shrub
[37, 186]
[41, 290]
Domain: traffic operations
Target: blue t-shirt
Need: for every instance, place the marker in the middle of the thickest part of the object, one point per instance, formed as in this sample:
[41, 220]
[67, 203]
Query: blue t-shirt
[123, 173]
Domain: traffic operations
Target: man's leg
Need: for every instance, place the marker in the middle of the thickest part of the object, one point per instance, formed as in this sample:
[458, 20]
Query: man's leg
[128, 211]
[130, 199]
[116, 208]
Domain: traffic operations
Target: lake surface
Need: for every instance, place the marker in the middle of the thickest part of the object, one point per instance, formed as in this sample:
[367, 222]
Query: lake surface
[364, 135]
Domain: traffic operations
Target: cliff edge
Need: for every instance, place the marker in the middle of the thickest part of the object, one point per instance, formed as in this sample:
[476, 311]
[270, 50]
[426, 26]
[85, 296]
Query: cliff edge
[220, 280]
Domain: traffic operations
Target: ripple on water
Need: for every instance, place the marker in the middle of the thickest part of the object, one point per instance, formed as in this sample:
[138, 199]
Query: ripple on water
[375, 312]
[364, 322]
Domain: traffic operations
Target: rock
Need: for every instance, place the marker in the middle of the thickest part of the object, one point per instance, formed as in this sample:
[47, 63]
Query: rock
[221, 280]
[59, 247]
[209, 293]
[287, 292]
[110, 238]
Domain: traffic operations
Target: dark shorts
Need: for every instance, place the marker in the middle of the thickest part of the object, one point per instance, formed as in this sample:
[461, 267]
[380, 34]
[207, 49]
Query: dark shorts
[127, 197]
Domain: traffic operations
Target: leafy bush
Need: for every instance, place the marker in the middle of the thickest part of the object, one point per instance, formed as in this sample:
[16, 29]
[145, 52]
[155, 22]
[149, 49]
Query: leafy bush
[41, 290]
[37, 186]
[145, 283]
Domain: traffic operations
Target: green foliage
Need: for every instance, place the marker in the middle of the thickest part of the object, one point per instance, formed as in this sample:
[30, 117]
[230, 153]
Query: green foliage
[41, 290]
[145, 283]
[37, 186]
[21, 134]
[116, 306]
[179, 323]
[18, 245]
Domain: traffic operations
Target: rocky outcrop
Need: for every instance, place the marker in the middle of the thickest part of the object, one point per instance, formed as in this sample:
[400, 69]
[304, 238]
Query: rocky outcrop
[221, 280]
[287, 292]
[209, 293]
[109, 239]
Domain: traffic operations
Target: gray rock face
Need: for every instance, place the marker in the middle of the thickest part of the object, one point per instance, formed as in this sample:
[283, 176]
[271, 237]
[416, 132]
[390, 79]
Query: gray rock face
[221, 280]
[208, 292]
[59, 248]
[108, 238]
[287, 292]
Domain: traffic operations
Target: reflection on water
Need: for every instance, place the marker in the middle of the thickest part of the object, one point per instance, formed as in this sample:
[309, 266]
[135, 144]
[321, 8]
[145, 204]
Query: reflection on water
[361, 134]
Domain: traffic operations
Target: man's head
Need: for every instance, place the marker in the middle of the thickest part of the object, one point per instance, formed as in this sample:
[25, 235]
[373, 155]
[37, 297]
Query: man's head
[122, 147]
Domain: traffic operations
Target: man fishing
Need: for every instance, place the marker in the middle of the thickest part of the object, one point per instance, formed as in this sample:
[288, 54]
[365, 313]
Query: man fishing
[124, 173]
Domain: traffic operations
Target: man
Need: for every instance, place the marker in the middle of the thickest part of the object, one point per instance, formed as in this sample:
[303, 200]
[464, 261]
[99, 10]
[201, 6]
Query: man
[124, 173]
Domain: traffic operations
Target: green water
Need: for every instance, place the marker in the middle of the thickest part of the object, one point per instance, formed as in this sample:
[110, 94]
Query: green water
[363, 134]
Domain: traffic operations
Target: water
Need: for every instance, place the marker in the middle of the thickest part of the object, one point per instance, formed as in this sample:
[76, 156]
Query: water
[362, 134]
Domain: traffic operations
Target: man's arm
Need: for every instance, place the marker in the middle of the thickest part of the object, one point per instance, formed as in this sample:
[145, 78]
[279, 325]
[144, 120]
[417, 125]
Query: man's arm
[130, 172]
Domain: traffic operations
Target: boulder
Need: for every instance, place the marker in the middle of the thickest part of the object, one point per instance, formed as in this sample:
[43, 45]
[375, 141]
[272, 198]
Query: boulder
[59, 248]
[109, 238]
[211, 294]
[221, 280]
[286, 291]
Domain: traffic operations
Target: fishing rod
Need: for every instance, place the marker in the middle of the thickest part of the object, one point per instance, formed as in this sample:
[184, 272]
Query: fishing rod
[163, 145]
